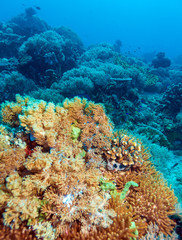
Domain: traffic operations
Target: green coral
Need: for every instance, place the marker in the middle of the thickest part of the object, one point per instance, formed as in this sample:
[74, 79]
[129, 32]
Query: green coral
[75, 132]
[82, 154]
[133, 225]
[126, 188]
[41, 216]
[105, 186]
[109, 186]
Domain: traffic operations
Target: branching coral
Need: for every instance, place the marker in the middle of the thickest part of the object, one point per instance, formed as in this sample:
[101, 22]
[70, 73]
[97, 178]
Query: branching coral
[124, 152]
[55, 179]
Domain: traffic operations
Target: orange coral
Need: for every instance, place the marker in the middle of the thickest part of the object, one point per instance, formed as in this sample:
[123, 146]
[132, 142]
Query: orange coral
[153, 200]
[121, 228]
[51, 176]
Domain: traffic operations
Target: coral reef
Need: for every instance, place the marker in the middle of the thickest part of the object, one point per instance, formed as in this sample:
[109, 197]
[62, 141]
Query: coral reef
[169, 165]
[58, 179]
[72, 38]
[13, 83]
[42, 51]
[140, 96]
[45, 56]
[152, 233]
[55, 65]
[161, 61]
[28, 24]
[125, 152]
[9, 43]
[101, 52]
[10, 64]
[154, 135]
[172, 99]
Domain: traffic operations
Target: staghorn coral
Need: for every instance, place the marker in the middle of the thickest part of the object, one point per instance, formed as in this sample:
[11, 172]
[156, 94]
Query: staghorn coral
[55, 181]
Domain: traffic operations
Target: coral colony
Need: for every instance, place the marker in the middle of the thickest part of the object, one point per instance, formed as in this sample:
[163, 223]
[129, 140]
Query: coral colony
[66, 174]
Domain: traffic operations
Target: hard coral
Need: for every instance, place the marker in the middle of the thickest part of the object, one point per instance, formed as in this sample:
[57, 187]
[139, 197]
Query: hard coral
[161, 61]
[172, 99]
[124, 152]
[55, 180]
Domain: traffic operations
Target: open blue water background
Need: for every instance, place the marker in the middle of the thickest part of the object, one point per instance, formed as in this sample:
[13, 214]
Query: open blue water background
[142, 26]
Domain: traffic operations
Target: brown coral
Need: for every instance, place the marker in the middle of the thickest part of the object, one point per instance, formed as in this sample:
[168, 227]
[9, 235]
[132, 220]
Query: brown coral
[23, 232]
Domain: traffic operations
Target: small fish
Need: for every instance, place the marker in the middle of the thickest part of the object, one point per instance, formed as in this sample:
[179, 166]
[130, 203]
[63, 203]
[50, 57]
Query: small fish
[37, 7]
[174, 165]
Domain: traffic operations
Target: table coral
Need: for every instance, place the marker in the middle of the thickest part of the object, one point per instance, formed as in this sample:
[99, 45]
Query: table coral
[58, 180]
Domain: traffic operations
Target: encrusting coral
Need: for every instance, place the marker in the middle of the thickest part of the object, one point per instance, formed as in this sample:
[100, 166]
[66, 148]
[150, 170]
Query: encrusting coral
[66, 175]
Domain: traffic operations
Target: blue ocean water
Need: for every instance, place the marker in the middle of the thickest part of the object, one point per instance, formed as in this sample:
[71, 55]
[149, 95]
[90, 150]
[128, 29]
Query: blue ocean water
[123, 54]
[151, 25]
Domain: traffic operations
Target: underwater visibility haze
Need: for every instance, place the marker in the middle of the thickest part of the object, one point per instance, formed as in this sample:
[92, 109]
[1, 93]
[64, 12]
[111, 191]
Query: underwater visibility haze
[91, 120]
